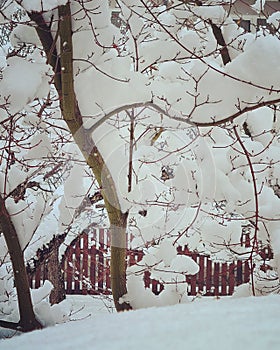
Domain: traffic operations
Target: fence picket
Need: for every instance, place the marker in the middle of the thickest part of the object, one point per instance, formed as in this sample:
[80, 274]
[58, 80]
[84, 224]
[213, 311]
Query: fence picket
[224, 279]
[100, 270]
[231, 278]
[193, 281]
[77, 266]
[85, 264]
[68, 270]
[246, 272]
[201, 279]
[108, 280]
[216, 278]
[93, 266]
[239, 272]
[208, 276]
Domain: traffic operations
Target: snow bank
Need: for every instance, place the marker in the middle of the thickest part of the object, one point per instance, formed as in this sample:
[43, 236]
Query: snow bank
[245, 323]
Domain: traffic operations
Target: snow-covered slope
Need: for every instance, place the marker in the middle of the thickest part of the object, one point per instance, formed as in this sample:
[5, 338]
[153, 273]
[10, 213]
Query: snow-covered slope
[224, 324]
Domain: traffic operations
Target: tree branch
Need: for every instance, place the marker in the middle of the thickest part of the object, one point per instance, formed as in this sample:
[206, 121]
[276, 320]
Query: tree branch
[221, 41]
[235, 115]
[119, 110]
[28, 320]
[201, 59]
[152, 105]
[48, 43]
[11, 325]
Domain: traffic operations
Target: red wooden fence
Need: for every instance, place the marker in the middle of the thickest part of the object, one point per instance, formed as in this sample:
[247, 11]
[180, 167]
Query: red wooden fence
[86, 269]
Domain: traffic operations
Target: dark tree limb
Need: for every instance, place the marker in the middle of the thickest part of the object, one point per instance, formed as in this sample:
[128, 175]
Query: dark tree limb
[11, 325]
[28, 320]
[221, 41]
[49, 45]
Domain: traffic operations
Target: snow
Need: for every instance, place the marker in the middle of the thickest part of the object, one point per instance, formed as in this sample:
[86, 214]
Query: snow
[218, 324]
[258, 6]
[178, 75]
[274, 19]
[216, 13]
[22, 82]
[38, 5]
[24, 33]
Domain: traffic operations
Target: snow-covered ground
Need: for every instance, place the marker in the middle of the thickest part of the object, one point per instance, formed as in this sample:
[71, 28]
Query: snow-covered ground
[243, 323]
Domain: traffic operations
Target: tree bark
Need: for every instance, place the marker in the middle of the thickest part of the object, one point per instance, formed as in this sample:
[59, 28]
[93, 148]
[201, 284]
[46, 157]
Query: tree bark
[48, 257]
[27, 320]
[54, 275]
[64, 84]
[73, 118]
[221, 41]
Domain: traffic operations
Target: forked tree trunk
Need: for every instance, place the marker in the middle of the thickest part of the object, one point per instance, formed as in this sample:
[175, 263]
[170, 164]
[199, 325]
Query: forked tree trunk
[27, 320]
[63, 68]
[73, 118]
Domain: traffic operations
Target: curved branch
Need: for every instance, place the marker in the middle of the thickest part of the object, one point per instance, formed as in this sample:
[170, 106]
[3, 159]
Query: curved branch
[237, 114]
[121, 109]
[150, 104]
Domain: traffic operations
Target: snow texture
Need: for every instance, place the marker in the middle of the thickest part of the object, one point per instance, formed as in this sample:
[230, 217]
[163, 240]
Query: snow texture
[39, 5]
[207, 184]
[242, 323]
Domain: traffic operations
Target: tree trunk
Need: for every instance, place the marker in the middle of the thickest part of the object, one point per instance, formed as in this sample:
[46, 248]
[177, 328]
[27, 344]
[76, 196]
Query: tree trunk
[118, 260]
[73, 118]
[118, 277]
[64, 84]
[27, 320]
[48, 257]
[54, 275]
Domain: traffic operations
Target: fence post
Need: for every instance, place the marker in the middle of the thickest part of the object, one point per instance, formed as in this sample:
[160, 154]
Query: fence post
[92, 269]
[38, 277]
[239, 273]
[224, 279]
[77, 267]
[193, 278]
[85, 264]
[208, 277]
[201, 279]
[216, 278]
[147, 279]
[100, 270]
[246, 273]
[231, 278]
[69, 269]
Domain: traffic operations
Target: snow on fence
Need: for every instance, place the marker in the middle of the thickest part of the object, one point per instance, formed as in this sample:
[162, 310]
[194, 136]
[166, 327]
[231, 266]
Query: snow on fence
[86, 269]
